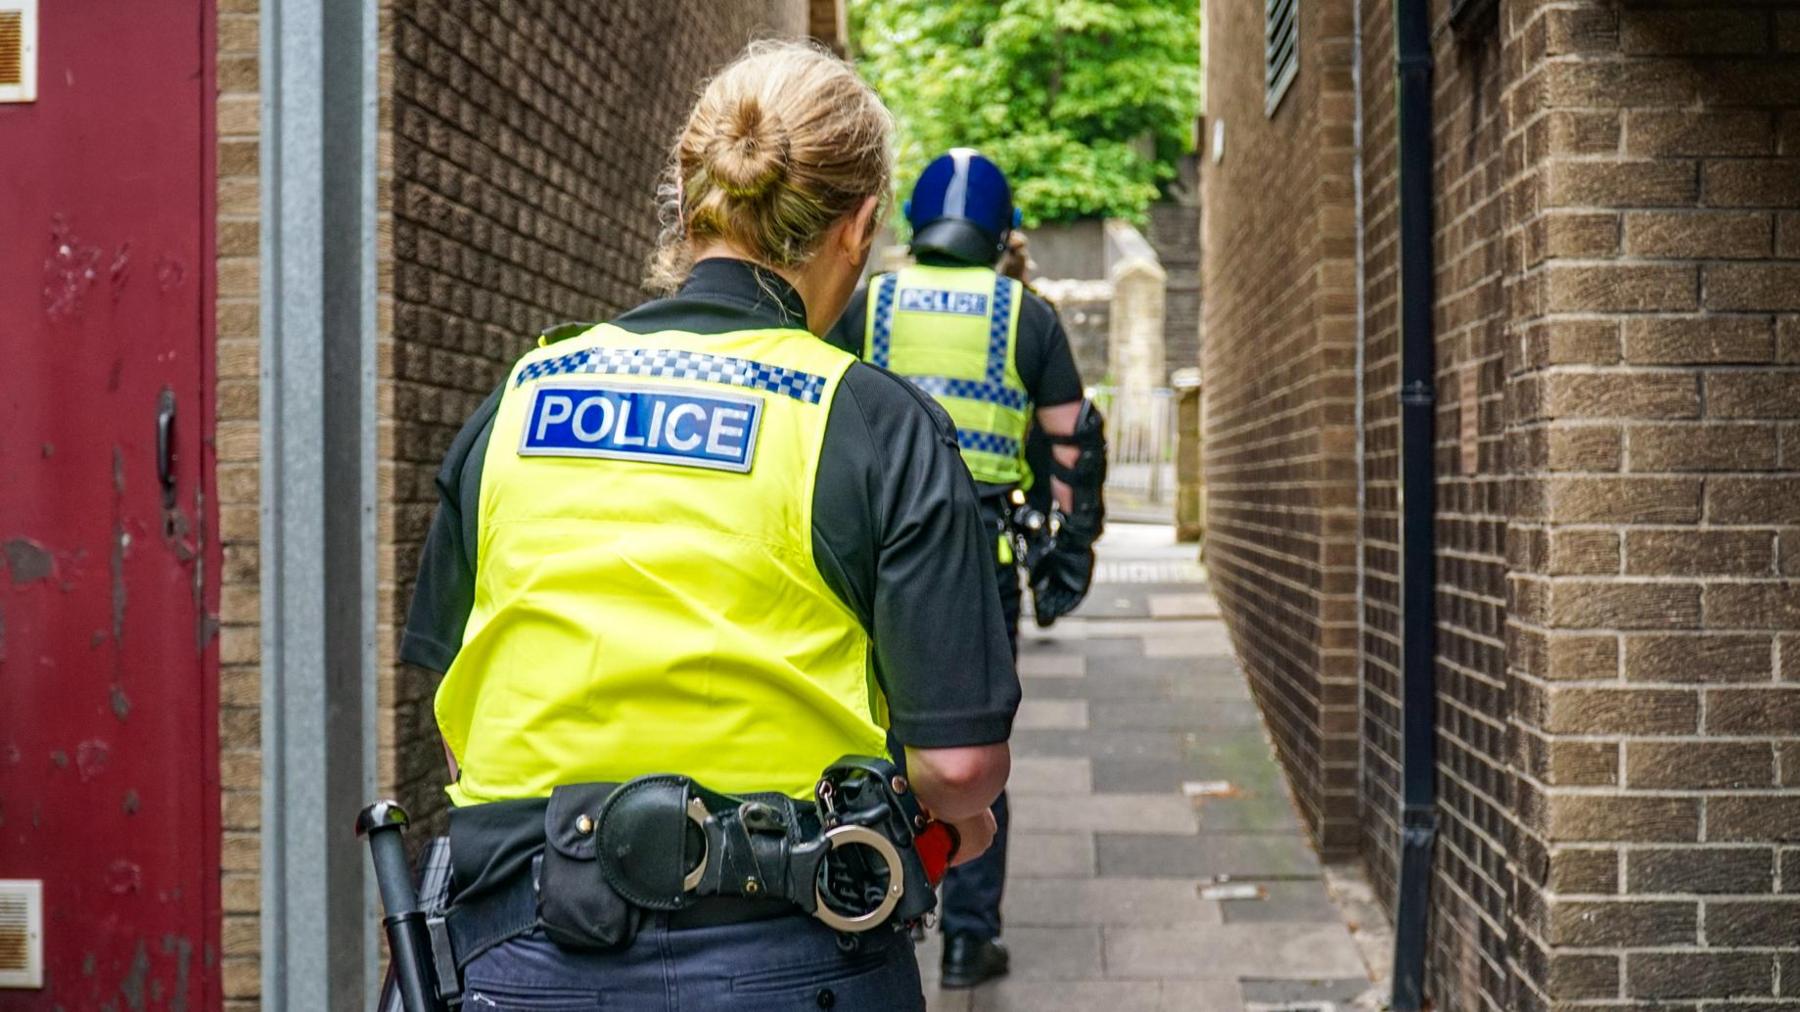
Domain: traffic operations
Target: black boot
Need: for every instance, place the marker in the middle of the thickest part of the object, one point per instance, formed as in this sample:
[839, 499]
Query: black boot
[970, 960]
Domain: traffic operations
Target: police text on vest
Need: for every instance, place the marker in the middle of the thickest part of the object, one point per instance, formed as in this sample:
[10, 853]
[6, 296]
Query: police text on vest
[659, 425]
[937, 300]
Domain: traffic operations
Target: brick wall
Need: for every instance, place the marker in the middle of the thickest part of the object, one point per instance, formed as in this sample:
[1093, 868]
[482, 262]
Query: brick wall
[1618, 374]
[1278, 362]
[239, 483]
[526, 144]
[1469, 908]
[1651, 406]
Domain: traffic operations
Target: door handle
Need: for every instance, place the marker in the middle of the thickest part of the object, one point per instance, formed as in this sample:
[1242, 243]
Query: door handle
[165, 446]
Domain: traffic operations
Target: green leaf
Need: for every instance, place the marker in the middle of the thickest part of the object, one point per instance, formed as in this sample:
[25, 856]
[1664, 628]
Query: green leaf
[1085, 103]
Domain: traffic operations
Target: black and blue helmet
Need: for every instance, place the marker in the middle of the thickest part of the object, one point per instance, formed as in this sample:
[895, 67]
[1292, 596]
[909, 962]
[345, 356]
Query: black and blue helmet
[961, 206]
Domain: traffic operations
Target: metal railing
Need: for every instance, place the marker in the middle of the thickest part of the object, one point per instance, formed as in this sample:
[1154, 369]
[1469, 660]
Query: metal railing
[1141, 439]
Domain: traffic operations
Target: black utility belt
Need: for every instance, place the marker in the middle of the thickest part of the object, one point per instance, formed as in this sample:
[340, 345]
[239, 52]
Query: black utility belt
[615, 854]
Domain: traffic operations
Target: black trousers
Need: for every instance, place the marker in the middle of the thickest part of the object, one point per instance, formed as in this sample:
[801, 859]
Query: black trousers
[971, 893]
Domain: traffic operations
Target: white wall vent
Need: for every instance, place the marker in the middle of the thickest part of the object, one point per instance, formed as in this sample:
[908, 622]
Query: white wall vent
[18, 50]
[21, 933]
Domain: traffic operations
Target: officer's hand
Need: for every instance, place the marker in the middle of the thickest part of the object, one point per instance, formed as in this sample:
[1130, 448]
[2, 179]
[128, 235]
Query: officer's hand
[976, 836]
[1061, 583]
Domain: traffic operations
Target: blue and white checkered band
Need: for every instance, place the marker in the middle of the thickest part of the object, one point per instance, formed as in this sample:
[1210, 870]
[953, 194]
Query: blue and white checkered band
[998, 325]
[987, 442]
[671, 363]
[882, 341]
[971, 390]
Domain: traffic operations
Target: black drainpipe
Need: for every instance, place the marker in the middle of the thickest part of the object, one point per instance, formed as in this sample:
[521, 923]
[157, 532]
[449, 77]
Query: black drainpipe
[1418, 402]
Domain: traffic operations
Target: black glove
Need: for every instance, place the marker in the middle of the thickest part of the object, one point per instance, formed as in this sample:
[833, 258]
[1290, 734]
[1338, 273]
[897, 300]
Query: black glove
[1060, 580]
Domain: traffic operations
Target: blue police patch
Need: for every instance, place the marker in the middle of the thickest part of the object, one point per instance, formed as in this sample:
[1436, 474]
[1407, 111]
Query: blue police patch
[935, 300]
[661, 425]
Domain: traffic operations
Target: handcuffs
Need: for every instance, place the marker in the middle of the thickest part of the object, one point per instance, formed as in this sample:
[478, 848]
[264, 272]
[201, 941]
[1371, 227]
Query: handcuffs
[665, 842]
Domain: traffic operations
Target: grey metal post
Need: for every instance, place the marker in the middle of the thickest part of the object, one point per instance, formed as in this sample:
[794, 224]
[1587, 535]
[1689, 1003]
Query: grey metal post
[318, 425]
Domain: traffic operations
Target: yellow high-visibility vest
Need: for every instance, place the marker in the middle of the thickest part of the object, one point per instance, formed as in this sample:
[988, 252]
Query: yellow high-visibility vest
[646, 597]
[953, 331]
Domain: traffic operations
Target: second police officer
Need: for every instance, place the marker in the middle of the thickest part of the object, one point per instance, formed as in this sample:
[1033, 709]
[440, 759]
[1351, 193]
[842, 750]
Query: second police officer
[995, 356]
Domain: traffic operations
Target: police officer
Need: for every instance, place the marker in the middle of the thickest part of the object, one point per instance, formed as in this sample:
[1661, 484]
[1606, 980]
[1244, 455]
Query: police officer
[698, 540]
[995, 356]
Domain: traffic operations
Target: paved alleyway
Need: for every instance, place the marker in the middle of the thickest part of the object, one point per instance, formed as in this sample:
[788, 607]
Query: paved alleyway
[1157, 863]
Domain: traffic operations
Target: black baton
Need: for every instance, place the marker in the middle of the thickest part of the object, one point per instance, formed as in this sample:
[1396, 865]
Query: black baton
[409, 940]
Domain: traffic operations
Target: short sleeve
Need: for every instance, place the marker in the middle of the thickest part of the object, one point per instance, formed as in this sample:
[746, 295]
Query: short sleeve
[900, 534]
[1046, 362]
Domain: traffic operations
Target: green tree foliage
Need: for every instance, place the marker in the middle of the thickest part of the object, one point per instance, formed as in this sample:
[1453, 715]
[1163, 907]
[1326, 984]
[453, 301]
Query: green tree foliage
[1086, 104]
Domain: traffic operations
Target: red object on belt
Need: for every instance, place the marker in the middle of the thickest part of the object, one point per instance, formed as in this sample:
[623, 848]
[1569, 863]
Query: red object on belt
[937, 844]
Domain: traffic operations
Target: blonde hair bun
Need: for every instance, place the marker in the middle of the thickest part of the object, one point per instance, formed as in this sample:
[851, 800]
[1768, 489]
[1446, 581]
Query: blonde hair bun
[783, 142]
[749, 156]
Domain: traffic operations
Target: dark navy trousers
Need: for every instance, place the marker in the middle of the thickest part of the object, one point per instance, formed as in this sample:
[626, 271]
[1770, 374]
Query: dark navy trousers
[786, 964]
[969, 897]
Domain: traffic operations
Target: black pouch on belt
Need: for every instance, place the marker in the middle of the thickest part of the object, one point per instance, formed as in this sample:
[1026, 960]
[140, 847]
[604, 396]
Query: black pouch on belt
[577, 907]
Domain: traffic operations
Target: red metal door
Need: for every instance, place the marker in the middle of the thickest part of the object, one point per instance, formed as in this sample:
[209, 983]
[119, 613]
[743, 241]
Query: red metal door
[108, 700]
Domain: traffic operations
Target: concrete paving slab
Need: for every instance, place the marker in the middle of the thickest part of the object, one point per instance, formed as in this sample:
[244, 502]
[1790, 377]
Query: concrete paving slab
[1099, 744]
[1177, 714]
[1147, 684]
[1284, 902]
[1110, 996]
[1050, 855]
[1130, 774]
[1055, 953]
[1238, 950]
[1248, 813]
[1145, 855]
[1051, 714]
[1051, 665]
[1051, 902]
[1087, 628]
[1211, 643]
[1070, 996]
[1278, 992]
[1163, 814]
[1046, 775]
[1183, 605]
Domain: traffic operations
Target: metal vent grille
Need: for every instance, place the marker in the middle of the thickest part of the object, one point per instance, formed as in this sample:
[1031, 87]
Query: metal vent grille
[18, 50]
[12, 47]
[1281, 50]
[21, 933]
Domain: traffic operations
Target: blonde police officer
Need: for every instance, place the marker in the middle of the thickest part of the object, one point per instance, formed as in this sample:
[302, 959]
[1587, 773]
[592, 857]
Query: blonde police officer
[699, 540]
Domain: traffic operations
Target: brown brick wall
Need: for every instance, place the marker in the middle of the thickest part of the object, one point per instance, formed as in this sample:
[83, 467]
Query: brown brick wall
[1277, 440]
[1647, 405]
[1618, 374]
[527, 140]
[238, 436]
[1469, 952]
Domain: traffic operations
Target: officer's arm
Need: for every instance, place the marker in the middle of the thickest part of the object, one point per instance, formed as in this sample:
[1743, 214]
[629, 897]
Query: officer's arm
[959, 783]
[1059, 420]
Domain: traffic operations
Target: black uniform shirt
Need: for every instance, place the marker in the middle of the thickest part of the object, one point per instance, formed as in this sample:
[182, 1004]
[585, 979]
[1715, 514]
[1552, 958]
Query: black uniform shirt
[896, 530]
[1046, 365]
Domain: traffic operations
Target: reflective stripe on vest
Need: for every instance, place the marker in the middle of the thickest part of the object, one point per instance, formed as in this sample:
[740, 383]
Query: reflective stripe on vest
[953, 331]
[646, 598]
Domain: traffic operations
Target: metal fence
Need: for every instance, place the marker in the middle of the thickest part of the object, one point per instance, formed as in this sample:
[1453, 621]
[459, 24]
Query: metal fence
[1140, 436]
